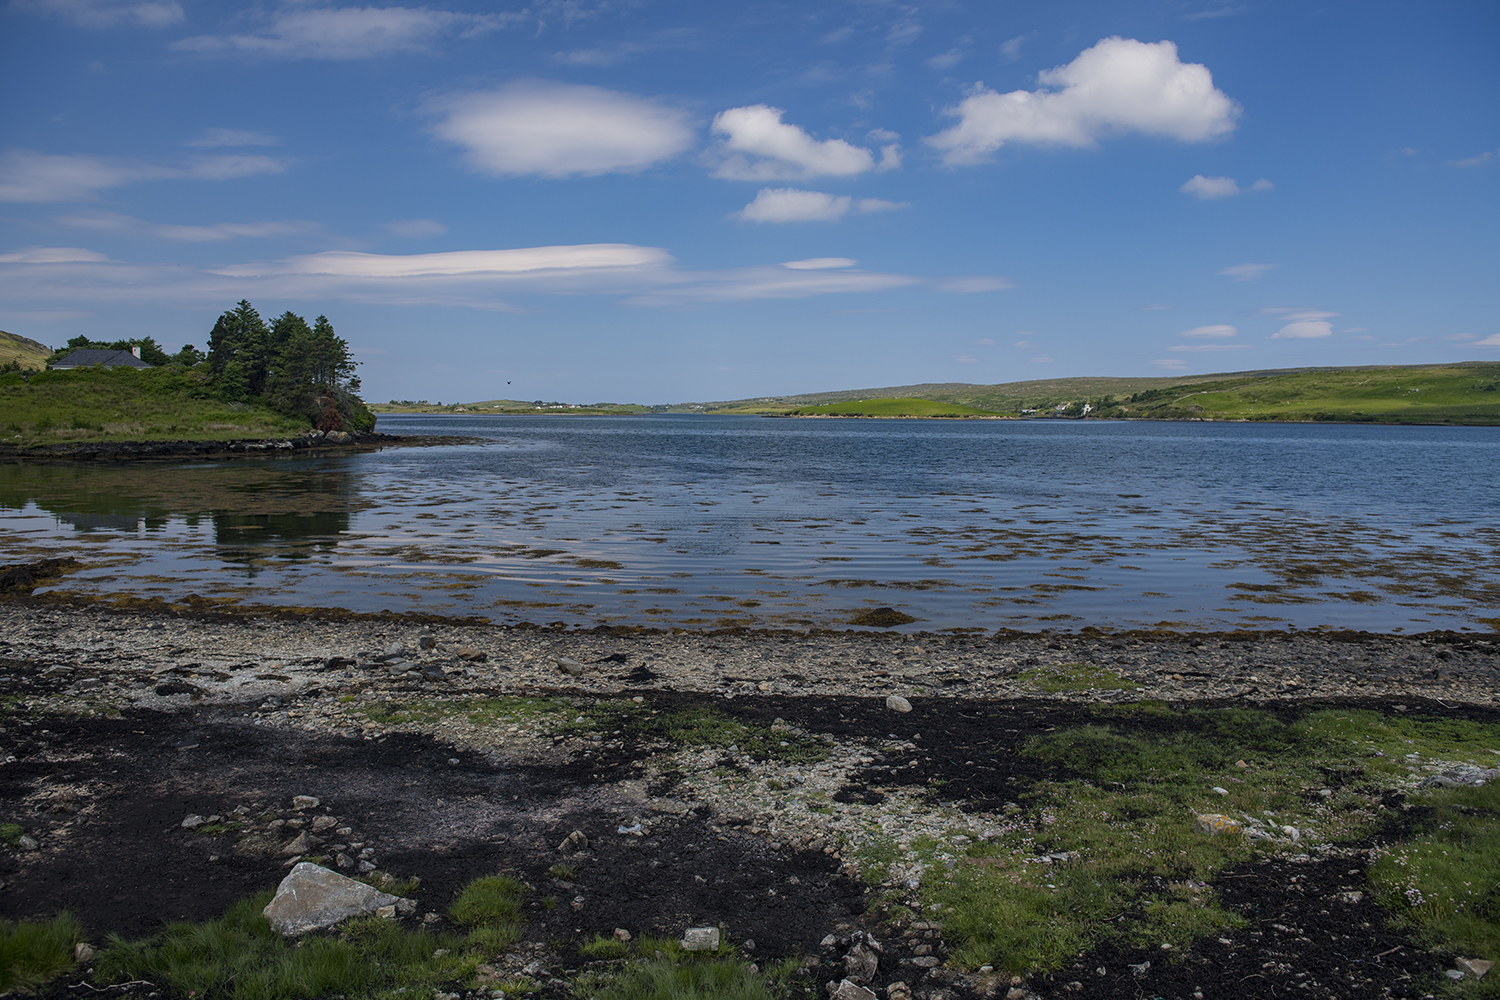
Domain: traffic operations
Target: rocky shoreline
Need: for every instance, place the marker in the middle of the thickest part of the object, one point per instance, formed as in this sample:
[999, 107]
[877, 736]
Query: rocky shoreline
[156, 761]
[93, 451]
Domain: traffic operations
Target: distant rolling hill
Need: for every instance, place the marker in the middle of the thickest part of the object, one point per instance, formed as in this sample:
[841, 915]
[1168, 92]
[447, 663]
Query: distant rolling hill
[1463, 392]
[23, 350]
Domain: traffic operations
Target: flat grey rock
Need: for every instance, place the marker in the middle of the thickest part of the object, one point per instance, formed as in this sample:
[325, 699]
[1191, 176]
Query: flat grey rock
[312, 897]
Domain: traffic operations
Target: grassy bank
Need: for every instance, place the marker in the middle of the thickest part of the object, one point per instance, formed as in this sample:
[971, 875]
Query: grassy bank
[23, 352]
[127, 404]
[891, 408]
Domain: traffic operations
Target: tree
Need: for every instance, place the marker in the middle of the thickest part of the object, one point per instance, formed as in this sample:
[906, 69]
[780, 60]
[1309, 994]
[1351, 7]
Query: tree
[240, 335]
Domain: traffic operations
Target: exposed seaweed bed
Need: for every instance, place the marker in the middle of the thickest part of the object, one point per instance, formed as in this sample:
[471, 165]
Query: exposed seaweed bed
[117, 725]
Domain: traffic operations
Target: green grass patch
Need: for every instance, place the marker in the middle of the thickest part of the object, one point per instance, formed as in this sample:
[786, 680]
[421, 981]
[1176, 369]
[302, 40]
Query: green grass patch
[11, 834]
[35, 951]
[601, 947]
[892, 408]
[491, 908]
[129, 404]
[1105, 850]
[1445, 882]
[691, 979]
[1057, 677]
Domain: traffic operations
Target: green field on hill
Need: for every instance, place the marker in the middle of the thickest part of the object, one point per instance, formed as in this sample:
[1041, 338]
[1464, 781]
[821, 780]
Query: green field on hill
[22, 352]
[1468, 394]
[891, 408]
[127, 404]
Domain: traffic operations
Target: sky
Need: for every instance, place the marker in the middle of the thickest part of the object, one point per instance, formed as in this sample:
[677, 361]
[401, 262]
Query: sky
[638, 201]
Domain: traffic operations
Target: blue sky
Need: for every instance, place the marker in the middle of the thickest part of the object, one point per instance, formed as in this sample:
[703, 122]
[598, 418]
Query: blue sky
[661, 201]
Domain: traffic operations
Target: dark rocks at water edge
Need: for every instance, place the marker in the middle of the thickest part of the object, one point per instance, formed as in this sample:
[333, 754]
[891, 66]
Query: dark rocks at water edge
[23, 578]
[122, 450]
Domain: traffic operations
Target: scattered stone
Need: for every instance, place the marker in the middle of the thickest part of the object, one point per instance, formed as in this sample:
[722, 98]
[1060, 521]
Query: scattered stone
[312, 897]
[1454, 974]
[343, 860]
[305, 802]
[27, 842]
[896, 703]
[367, 866]
[84, 952]
[321, 823]
[621, 934]
[1215, 824]
[925, 961]
[575, 841]
[862, 960]
[700, 939]
[1352, 897]
[1140, 970]
[386, 912]
[846, 990]
[569, 666]
[1475, 967]
[427, 642]
[1220, 791]
[469, 654]
[193, 821]
[298, 845]
[898, 991]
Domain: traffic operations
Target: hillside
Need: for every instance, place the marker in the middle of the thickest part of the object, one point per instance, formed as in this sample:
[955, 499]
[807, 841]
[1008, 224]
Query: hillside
[906, 407]
[23, 351]
[1462, 392]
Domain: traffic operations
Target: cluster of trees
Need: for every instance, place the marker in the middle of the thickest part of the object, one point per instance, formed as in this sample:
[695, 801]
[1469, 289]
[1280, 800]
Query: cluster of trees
[286, 364]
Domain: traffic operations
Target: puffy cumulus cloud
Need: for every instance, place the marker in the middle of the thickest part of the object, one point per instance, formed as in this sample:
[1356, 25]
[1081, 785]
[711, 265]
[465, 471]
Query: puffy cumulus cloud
[1493, 340]
[1217, 332]
[341, 33]
[29, 176]
[1120, 85]
[106, 13]
[1213, 188]
[234, 137]
[560, 130]
[1246, 272]
[758, 146]
[795, 205]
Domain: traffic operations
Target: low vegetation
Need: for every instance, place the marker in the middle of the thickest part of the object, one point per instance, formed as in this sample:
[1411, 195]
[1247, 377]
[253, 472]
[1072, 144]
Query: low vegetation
[35, 951]
[1106, 850]
[256, 380]
[22, 353]
[891, 408]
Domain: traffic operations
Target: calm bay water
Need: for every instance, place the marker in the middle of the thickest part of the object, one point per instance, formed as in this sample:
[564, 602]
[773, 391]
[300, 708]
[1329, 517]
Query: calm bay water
[704, 521]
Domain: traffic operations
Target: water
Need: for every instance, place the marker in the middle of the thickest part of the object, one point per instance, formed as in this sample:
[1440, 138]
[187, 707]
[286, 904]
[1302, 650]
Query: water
[713, 521]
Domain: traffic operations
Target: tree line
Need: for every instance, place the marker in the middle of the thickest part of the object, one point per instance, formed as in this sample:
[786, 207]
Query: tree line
[291, 366]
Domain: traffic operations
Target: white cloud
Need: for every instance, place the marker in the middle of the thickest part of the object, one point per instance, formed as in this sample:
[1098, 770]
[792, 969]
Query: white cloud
[1304, 329]
[985, 341]
[1042, 360]
[216, 232]
[1211, 188]
[1010, 50]
[1155, 307]
[795, 205]
[1217, 332]
[1488, 156]
[1285, 312]
[1209, 347]
[559, 130]
[1171, 364]
[1246, 272]
[480, 279]
[965, 359]
[416, 229]
[348, 32]
[29, 176]
[106, 13]
[1120, 85]
[1207, 188]
[947, 60]
[1493, 340]
[234, 137]
[819, 263]
[51, 255]
[759, 146]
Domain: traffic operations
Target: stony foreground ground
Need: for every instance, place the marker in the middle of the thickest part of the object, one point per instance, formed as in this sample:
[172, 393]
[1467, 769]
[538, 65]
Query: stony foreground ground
[121, 726]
